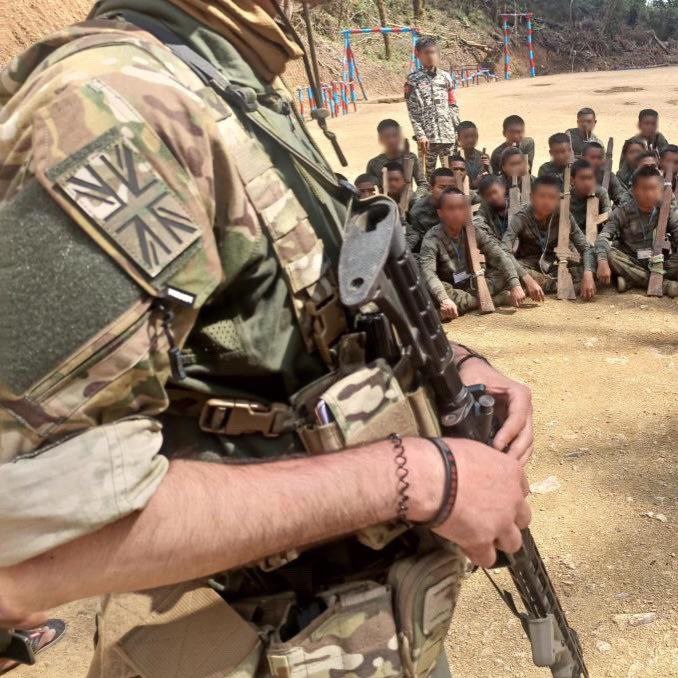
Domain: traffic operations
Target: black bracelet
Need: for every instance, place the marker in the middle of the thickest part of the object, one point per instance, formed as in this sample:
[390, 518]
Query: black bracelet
[470, 354]
[450, 490]
[403, 485]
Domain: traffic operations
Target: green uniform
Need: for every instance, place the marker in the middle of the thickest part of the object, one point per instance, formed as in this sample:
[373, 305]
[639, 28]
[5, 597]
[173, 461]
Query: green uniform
[657, 144]
[579, 140]
[578, 206]
[447, 271]
[146, 217]
[531, 240]
[494, 222]
[625, 175]
[617, 192]
[526, 147]
[474, 166]
[627, 239]
[551, 169]
[377, 164]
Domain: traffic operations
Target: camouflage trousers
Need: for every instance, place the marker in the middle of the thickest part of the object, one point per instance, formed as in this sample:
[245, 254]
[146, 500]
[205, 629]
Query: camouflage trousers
[434, 152]
[549, 282]
[635, 273]
[466, 301]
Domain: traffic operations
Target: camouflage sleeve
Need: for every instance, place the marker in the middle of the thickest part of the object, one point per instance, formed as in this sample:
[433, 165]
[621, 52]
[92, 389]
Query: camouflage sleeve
[581, 244]
[618, 194]
[609, 234]
[495, 256]
[428, 261]
[605, 202]
[419, 177]
[414, 110]
[511, 237]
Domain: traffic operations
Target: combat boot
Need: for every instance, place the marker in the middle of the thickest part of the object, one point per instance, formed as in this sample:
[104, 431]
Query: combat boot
[622, 286]
[670, 288]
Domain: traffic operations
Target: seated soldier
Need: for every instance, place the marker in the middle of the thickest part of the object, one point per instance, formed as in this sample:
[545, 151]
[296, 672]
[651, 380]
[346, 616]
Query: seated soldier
[423, 214]
[626, 241]
[532, 236]
[458, 167]
[595, 154]
[395, 179]
[631, 152]
[446, 267]
[648, 130]
[514, 133]
[647, 159]
[583, 134]
[583, 187]
[391, 139]
[366, 185]
[668, 158]
[559, 148]
[477, 163]
[513, 168]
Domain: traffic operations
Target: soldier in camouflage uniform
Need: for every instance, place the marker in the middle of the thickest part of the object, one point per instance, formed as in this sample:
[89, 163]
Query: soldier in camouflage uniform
[513, 129]
[532, 235]
[583, 134]
[559, 148]
[583, 187]
[168, 275]
[434, 114]
[626, 241]
[648, 131]
[594, 153]
[477, 162]
[445, 263]
[631, 152]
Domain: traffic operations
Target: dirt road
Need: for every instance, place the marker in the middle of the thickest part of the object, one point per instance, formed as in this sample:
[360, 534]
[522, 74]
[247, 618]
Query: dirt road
[604, 379]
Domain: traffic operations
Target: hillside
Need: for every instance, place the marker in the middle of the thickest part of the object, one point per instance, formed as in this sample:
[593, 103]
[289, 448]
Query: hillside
[469, 32]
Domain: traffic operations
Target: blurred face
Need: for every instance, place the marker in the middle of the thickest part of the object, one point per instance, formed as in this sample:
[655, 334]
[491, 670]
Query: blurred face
[468, 138]
[544, 200]
[459, 169]
[586, 123]
[428, 56]
[366, 189]
[495, 196]
[648, 127]
[670, 160]
[514, 133]
[584, 182]
[647, 161]
[632, 154]
[514, 166]
[391, 140]
[439, 184]
[452, 211]
[595, 156]
[560, 154]
[647, 192]
[396, 183]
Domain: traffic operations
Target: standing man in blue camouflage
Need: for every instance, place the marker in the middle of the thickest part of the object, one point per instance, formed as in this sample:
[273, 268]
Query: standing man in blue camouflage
[434, 114]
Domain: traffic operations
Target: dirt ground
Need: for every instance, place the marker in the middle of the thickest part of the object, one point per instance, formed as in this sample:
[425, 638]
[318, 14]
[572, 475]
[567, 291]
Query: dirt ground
[604, 380]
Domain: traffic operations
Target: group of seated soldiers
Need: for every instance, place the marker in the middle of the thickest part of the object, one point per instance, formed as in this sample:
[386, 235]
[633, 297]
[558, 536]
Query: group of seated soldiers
[517, 216]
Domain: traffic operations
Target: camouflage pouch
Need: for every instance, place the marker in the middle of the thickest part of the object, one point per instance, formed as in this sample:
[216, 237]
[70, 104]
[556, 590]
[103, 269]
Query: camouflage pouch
[426, 589]
[354, 635]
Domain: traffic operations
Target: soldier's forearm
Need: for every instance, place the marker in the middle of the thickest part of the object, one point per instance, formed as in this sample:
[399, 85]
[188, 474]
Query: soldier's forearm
[207, 518]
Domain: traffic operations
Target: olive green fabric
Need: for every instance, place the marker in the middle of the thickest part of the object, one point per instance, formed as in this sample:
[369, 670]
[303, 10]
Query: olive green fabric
[81, 289]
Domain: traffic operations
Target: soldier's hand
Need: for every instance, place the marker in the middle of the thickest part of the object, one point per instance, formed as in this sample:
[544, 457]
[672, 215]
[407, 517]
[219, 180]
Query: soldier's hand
[448, 310]
[533, 288]
[517, 296]
[485, 159]
[423, 144]
[588, 286]
[604, 273]
[490, 508]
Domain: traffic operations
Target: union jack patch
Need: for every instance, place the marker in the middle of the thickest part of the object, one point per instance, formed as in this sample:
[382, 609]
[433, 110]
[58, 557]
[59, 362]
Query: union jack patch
[118, 188]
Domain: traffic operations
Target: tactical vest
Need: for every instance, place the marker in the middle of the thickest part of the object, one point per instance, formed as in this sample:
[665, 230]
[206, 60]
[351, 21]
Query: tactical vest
[392, 618]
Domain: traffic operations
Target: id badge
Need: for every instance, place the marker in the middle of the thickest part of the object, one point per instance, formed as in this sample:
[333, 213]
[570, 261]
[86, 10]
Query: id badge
[643, 254]
[461, 277]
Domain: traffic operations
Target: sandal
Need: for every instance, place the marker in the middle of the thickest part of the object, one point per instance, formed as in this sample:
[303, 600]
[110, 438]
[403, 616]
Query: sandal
[39, 639]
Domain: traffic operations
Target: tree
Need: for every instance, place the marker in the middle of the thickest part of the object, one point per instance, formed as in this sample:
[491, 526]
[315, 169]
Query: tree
[382, 21]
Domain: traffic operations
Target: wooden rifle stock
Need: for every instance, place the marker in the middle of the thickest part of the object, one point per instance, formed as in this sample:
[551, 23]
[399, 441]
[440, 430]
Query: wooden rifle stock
[514, 197]
[408, 169]
[565, 283]
[592, 209]
[656, 284]
[526, 182]
[607, 173]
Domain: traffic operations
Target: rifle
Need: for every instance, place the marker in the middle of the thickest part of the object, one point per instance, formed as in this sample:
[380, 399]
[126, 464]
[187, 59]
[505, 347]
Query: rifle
[376, 267]
[514, 197]
[656, 284]
[384, 181]
[408, 169]
[607, 173]
[565, 284]
[15, 645]
[571, 159]
[475, 257]
[526, 182]
[592, 209]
